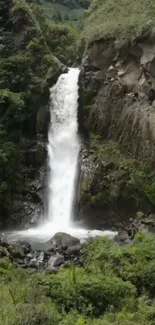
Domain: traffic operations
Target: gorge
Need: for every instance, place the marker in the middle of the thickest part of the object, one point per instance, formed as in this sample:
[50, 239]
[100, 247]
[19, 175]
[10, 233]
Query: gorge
[77, 162]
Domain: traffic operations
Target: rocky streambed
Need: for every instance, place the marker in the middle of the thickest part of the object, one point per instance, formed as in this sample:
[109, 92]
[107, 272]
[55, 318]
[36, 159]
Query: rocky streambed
[48, 257]
[63, 249]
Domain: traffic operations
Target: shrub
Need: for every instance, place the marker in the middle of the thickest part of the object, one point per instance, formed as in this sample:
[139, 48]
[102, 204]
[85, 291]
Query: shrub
[89, 294]
[134, 263]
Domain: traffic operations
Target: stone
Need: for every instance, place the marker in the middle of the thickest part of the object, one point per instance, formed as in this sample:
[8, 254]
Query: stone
[64, 247]
[29, 255]
[33, 263]
[41, 257]
[20, 262]
[26, 246]
[129, 74]
[148, 54]
[122, 238]
[56, 261]
[17, 250]
[101, 55]
[74, 250]
[61, 239]
[111, 72]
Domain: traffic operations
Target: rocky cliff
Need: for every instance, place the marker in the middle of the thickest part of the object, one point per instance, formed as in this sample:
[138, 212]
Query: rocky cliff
[117, 90]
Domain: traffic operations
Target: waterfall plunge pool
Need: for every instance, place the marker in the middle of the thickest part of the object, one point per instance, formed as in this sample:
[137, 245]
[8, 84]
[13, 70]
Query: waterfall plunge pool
[63, 150]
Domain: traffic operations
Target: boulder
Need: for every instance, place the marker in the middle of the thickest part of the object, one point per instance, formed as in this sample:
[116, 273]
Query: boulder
[122, 238]
[33, 263]
[74, 250]
[61, 239]
[41, 257]
[55, 261]
[29, 255]
[26, 246]
[17, 251]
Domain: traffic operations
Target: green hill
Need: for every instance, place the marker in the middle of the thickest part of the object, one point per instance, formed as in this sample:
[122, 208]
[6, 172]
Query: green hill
[120, 20]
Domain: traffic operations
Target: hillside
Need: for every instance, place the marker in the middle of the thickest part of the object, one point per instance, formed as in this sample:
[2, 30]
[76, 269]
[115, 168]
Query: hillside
[122, 21]
[65, 10]
[31, 51]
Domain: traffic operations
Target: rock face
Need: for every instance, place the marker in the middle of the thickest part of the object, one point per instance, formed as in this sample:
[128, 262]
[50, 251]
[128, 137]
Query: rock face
[28, 205]
[117, 97]
[142, 224]
[118, 90]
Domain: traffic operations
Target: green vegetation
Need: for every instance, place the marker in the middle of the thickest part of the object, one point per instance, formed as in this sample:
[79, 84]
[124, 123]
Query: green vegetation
[31, 51]
[62, 40]
[65, 10]
[118, 179]
[115, 286]
[28, 68]
[121, 21]
[72, 4]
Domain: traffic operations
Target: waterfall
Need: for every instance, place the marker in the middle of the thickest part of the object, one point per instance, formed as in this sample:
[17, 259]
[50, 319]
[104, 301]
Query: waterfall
[63, 149]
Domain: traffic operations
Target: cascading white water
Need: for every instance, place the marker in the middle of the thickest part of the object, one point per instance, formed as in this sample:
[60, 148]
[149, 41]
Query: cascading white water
[63, 151]
[63, 148]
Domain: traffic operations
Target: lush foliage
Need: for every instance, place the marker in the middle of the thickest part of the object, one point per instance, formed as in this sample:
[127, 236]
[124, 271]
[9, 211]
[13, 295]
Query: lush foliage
[30, 53]
[27, 70]
[115, 286]
[72, 4]
[65, 10]
[118, 177]
[121, 21]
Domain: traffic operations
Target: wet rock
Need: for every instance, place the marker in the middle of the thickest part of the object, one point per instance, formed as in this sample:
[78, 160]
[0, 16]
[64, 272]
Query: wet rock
[20, 262]
[74, 250]
[122, 238]
[64, 247]
[5, 241]
[25, 245]
[16, 250]
[41, 256]
[56, 260]
[52, 248]
[33, 263]
[61, 239]
[41, 259]
[29, 255]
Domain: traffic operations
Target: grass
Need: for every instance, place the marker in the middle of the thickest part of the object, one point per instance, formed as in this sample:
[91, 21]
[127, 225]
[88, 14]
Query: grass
[121, 21]
[115, 286]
